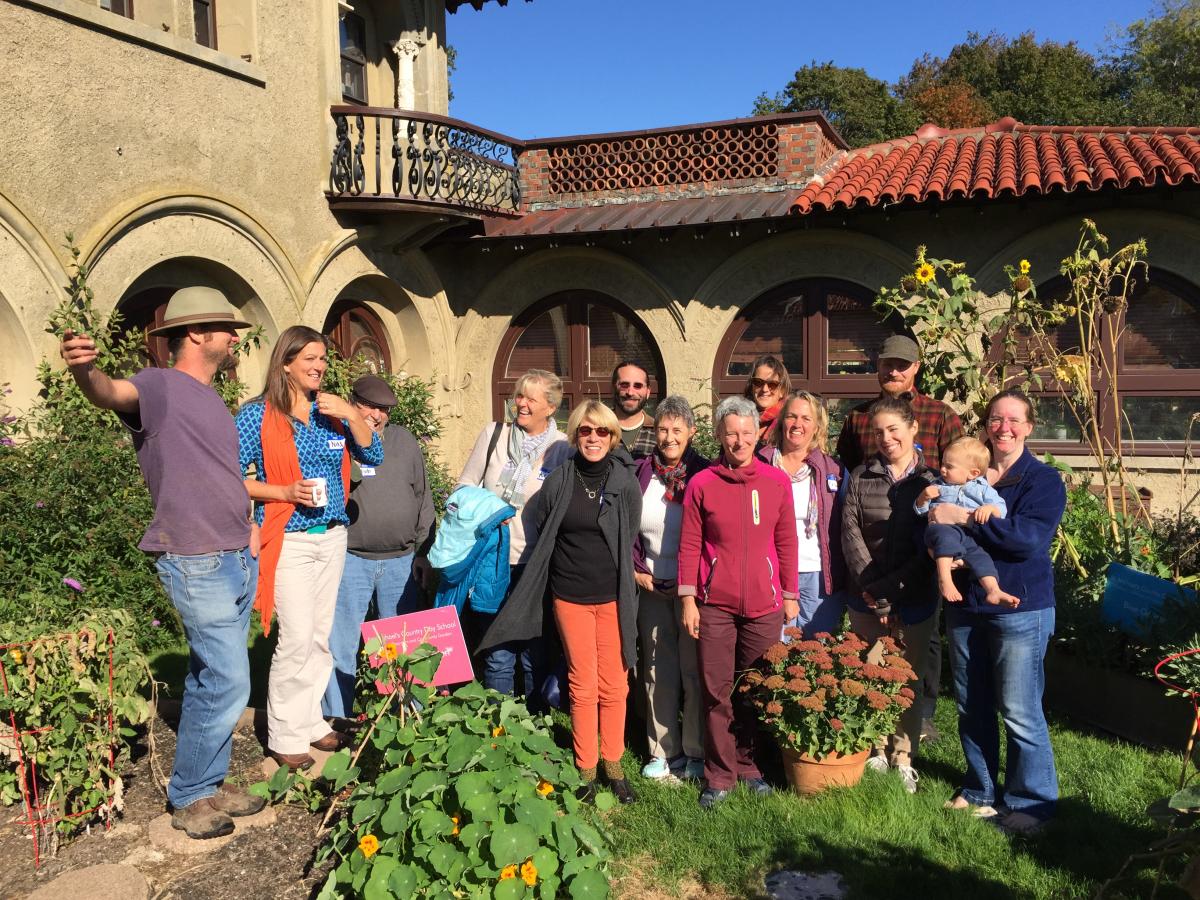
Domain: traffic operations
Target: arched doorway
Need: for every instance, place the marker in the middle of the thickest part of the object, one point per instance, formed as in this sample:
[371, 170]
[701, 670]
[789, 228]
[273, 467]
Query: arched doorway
[355, 330]
[580, 336]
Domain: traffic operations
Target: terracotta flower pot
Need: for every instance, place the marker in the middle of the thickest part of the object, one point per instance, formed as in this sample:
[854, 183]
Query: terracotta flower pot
[809, 776]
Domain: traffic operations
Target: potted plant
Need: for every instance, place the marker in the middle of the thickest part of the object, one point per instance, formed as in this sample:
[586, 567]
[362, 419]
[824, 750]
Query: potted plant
[828, 700]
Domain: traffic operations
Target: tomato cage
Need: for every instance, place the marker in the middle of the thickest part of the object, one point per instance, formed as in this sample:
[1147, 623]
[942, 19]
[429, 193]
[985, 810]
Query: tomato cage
[30, 748]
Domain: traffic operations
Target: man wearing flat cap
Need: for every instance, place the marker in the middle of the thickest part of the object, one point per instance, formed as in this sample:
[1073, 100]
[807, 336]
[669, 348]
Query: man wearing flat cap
[938, 426]
[203, 539]
[391, 524]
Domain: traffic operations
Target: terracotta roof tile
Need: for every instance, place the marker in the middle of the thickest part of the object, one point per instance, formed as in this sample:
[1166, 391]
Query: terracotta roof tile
[1005, 158]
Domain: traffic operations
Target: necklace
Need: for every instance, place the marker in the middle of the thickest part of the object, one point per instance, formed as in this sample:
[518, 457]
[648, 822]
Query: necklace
[591, 492]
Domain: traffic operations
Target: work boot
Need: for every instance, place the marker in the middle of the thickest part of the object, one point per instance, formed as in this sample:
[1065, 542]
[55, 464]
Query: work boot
[233, 801]
[293, 761]
[202, 820]
[335, 740]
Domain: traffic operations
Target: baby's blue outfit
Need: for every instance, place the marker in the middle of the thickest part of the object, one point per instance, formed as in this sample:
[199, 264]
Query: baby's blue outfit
[957, 541]
[972, 495]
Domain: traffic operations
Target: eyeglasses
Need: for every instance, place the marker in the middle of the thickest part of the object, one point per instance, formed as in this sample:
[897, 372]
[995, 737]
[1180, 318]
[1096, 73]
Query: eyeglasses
[758, 383]
[996, 422]
[631, 385]
[587, 430]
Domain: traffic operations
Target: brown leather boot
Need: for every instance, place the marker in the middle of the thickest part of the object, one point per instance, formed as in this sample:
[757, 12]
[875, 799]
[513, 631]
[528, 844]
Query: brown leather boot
[332, 741]
[233, 801]
[202, 820]
[293, 761]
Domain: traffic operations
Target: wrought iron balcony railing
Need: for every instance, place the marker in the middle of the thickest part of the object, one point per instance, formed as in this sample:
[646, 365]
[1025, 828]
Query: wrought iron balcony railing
[390, 157]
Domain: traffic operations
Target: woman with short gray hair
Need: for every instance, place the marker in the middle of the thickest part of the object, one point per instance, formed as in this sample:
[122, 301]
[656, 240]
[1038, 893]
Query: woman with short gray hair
[668, 654]
[738, 578]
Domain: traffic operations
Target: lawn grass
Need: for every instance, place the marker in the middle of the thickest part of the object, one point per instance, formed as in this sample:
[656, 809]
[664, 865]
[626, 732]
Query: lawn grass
[888, 844]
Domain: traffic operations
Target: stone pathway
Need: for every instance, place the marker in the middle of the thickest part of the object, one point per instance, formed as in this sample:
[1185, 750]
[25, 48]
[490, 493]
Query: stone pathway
[165, 837]
[106, 882]
[805, 886]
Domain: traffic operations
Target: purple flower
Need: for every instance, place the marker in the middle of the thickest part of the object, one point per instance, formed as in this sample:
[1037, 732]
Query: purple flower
[40, 505]
[73, 584]
[8, 420]
[7, 442]
[155, 623]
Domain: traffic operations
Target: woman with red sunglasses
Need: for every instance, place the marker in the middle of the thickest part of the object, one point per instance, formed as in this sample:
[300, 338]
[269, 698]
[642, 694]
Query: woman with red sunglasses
[588, 514]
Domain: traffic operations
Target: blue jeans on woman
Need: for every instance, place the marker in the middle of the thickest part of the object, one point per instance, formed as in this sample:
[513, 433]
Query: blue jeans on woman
[819, 611]
[214, 593]
[390, 584]
[998, 668]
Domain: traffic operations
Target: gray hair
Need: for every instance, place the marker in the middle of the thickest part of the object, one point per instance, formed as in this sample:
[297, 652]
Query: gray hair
[675, 407]
[735, 406]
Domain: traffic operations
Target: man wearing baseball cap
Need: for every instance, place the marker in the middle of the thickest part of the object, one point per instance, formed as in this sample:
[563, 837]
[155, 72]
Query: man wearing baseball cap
[391, 525]
[938, 426]
[201, 536]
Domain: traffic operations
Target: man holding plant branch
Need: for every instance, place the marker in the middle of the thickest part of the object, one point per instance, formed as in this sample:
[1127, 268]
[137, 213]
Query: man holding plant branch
[203, 540]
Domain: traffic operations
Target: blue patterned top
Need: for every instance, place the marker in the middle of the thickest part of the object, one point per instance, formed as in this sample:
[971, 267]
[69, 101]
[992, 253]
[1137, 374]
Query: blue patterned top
[320, 450]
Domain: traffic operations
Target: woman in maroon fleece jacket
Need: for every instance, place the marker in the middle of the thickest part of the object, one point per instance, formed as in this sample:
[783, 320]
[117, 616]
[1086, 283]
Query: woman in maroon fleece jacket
[737, 577]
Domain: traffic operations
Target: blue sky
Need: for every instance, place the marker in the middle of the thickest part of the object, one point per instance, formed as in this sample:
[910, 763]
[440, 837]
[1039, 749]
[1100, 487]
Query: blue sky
[558, 67]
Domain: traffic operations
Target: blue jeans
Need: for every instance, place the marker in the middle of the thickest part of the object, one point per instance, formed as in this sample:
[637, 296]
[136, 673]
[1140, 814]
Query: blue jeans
[390, 583]
[998, 668]
[214, 594]
[819, 611]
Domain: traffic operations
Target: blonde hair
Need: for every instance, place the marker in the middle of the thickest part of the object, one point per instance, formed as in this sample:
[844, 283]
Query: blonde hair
[599, 415]
[550, 383]
[820, 420]
[974, 452]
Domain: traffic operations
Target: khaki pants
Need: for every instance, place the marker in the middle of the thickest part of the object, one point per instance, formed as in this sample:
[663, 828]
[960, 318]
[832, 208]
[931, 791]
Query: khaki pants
[669, 671]
[901, 748]
[306, 589]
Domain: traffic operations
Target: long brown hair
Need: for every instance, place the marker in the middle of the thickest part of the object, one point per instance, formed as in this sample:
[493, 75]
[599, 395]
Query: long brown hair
[278, 391]
[775, 364]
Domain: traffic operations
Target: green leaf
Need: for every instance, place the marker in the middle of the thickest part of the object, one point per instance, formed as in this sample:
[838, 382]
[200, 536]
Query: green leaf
[470, 835]
[509, 889]
[458, 754]
[377, 887]
[546, 861]
[483, 807]
[605, 801]
[537, 813]
[395, 818]
[589, 884]
[403, 881]
[590, 837]
[336, 766]
[469, 784]
[426, 783]
[395, 780]
[434, 824]
[513, 844]
[366, 809]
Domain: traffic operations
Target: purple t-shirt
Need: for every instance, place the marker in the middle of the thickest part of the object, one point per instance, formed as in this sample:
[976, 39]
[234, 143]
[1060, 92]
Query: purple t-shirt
[187, 447]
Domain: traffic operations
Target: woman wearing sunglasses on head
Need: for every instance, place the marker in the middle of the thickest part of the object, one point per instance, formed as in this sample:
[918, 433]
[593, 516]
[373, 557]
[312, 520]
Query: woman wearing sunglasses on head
[587, 513]
[767, 387]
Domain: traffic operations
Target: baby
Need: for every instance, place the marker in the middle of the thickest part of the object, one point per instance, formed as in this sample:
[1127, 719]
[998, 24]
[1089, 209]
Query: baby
[964, 483]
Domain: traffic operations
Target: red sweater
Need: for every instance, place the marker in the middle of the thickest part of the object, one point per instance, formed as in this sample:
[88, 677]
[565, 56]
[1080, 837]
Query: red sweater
[737, 545]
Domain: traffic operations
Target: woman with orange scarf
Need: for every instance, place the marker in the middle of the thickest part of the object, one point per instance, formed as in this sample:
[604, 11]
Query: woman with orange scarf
[300, 440]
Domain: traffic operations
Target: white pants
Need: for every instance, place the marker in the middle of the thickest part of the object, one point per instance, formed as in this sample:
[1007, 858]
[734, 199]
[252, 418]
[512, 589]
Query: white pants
[306, 589]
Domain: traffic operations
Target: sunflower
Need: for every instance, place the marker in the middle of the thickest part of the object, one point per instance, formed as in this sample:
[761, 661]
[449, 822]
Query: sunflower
[924, 273]
[1024, 266]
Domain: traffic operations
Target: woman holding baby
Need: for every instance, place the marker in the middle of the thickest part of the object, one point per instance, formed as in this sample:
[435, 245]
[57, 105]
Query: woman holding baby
[997, 649]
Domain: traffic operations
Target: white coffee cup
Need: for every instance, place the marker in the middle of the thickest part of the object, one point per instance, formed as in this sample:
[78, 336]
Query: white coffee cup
[320, 492]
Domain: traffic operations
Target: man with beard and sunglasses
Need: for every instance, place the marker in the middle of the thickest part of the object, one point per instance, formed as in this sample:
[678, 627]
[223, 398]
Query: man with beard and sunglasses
[203, 539]
[631, 392]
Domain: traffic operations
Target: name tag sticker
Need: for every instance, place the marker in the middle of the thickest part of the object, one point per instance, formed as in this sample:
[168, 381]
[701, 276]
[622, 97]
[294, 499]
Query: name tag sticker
[337, 443]
[542, 473]
[831, 482]
[367, 471]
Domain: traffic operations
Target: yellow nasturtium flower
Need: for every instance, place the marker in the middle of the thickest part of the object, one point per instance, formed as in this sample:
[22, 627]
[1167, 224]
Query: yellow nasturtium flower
[544, 787]
[369, 845]
[17, 656]
[529, 872]
[388, 653]
[508, 872]
[498, 731]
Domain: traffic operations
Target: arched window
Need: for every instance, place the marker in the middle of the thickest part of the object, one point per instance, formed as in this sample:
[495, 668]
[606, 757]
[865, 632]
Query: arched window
[145, 310]
[355, 330]
[580, 336]
[824, 330]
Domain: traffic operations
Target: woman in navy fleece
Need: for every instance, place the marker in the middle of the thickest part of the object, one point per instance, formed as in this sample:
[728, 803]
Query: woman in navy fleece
[997, 652]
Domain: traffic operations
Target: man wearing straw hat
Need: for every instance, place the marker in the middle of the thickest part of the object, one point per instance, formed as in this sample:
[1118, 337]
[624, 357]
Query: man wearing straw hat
[201, 536]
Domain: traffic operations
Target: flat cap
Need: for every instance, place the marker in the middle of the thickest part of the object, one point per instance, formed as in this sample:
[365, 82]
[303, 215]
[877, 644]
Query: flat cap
[374, 390]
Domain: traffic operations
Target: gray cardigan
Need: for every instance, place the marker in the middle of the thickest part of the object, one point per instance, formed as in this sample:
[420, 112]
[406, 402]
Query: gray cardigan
[521, 617]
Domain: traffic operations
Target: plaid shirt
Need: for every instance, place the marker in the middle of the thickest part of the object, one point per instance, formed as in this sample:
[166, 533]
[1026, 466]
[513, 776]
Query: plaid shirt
[937, 426]
[645, 442]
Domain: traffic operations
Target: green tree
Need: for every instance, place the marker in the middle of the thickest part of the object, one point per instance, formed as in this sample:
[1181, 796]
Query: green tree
[863, 109]
[1152, 68]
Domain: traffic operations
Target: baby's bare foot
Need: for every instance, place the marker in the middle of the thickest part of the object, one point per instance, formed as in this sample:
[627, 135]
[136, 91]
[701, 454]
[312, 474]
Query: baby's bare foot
[949, 592]
[998, 597]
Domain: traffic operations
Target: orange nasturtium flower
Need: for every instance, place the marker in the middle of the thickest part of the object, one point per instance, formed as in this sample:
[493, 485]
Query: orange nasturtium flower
[529, 872]
[498, 731]
[544, 787]
[454, 819]
[924, 273]
[388, 653]
[369, 845]
[508, 872]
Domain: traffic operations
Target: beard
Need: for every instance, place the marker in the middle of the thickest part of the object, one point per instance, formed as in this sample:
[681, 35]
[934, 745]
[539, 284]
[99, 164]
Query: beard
[638, 405]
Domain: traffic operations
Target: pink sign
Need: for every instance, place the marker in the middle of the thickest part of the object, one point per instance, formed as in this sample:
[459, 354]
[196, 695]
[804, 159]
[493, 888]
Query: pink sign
[439, 627]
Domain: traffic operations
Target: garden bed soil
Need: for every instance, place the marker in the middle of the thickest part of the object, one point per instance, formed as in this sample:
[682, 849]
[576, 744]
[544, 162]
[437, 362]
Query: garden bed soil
[1120, 703]
[269, 862]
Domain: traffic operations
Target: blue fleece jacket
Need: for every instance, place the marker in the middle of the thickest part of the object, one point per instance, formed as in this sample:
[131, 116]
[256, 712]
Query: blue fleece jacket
[1020, 543]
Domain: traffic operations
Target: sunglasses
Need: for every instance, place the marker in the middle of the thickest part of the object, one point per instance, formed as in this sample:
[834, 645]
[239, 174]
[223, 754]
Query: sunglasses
[757, 383]
[587, 430]
[631, 385]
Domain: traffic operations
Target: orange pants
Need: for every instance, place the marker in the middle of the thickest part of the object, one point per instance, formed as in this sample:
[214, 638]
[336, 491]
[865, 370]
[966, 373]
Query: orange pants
[591, 639]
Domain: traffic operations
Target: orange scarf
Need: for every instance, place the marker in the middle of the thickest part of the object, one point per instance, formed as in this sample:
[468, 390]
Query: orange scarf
[281, 465]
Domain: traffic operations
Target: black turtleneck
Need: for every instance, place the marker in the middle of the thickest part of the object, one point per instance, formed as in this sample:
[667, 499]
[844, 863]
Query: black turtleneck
[581, 567]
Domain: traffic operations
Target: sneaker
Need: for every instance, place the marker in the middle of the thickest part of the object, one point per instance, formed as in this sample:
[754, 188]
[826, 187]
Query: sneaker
[710, 797]
[979, 811]
[694, 769]
[657, 768]
[877, 764]
[202, 820]
[908, 778]
[233, 801]
[758, 787]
